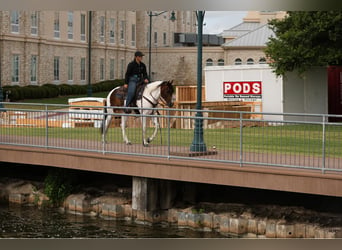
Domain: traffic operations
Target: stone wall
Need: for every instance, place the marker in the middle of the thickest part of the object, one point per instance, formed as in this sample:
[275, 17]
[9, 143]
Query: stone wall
[118, 205]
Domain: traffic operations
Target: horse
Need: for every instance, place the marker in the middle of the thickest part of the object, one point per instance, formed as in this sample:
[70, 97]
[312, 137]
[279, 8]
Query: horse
[154, 93]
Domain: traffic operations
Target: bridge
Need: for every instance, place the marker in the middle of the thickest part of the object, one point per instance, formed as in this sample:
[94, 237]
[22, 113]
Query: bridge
[299, 155]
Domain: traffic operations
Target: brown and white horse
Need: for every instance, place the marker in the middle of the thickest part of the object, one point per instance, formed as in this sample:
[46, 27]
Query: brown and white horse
[153, 94]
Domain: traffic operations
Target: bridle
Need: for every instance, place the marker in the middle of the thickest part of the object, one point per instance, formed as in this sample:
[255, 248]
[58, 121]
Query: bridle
[155, 101]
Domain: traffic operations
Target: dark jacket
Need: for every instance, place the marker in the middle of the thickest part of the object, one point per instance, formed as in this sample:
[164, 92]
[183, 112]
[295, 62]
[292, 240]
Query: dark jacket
[133, 68]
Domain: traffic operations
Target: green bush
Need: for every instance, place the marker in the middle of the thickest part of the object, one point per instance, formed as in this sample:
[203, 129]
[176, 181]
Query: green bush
[14, 93]
[52, 90]
[58, 184]
[65, 89]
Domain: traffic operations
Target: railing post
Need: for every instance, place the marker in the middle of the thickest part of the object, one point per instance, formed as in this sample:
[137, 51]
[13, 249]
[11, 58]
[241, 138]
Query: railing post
[323, 144]
[168, 134]
[241, 148]
[46, 127]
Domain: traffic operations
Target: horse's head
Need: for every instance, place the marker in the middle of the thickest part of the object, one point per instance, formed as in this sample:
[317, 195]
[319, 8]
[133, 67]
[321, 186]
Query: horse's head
[166, 92]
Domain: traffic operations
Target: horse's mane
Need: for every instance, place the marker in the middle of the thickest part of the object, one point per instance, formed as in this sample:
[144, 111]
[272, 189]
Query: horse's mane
[153, 85]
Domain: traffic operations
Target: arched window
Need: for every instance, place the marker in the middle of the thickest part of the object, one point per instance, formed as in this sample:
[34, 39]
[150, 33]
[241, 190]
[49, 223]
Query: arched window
[262, 60]
[250, 61]
[220, 62]
[238, 61]
[209, 62]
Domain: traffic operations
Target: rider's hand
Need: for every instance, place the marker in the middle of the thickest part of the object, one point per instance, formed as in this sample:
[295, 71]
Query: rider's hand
[125, 86]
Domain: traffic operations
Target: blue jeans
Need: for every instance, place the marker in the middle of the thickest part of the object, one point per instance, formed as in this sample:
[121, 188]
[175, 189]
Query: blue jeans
[132, 86]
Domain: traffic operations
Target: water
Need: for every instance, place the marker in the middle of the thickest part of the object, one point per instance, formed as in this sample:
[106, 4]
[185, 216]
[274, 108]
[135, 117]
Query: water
[30, 222]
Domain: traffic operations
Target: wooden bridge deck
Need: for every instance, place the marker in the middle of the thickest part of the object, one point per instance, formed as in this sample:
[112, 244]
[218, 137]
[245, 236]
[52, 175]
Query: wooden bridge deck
[308, 181]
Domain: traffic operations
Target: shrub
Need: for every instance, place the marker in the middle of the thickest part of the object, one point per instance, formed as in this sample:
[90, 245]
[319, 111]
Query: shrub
[58, 184]
[14, 93]
[52, 90]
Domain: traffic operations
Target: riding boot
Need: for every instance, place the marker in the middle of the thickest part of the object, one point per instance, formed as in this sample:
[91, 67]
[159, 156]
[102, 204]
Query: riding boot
[126, 110]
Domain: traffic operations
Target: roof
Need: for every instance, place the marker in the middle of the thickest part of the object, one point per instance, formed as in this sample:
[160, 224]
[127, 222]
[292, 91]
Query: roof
[240, 29]
[255, 38]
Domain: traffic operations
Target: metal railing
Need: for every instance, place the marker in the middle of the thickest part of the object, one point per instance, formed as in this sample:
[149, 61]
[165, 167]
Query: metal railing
[301, 141]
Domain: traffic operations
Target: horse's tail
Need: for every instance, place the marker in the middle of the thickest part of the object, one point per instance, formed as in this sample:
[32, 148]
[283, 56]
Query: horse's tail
[105, 112]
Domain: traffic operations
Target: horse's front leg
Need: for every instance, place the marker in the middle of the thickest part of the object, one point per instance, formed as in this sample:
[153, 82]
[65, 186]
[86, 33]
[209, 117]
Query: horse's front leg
[155, 131]
[143, 123]
[123, 129]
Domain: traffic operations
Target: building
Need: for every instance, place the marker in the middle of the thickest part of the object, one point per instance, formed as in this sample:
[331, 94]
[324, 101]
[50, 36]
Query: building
[242, 45]
[245, 42]
[38, 47]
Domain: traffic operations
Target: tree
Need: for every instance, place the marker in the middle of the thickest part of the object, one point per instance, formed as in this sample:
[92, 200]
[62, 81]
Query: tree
[305, 39]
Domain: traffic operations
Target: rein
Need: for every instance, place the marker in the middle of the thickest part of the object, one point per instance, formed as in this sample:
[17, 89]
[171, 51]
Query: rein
[149, 101]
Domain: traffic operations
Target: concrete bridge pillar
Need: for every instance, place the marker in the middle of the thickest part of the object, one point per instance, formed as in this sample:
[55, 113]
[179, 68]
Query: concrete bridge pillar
[152, 194]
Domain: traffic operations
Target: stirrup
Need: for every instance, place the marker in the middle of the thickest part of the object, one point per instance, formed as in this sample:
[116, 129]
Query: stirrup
[127, 111]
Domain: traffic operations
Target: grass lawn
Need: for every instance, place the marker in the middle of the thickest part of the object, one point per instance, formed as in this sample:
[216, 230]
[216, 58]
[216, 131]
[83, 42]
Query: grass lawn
[291, 139]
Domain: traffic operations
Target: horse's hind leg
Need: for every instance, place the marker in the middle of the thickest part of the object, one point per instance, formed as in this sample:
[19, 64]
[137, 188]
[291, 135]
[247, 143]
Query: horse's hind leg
[123, 129]
[106, 124]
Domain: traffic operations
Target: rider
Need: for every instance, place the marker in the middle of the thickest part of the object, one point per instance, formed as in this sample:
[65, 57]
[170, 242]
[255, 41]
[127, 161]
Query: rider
[135, 73]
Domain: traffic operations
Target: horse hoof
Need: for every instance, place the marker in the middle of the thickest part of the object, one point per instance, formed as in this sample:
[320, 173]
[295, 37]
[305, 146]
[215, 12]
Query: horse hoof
[128, 143]
[145, 144]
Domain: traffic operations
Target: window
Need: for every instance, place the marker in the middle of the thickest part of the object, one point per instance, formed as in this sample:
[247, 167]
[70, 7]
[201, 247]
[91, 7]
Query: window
[164, 39]
[133, 34]
[33, 70]
[122, 32]
[155, 38]
[83, 69]
[102, 28]
[56, 68]
[70, 25]
[83, 27]
[209, 62]
[112, 69]
[250, 61]
[238, 61]
[220, 62]
[56, 25]
[262, 60]
[70, 69]
[15, 69]
[122, 68]
[102, 69]
[15, 21]
[112, 31]
[34, 23]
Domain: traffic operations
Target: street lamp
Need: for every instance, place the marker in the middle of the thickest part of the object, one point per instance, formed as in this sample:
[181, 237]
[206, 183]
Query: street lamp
[1, 92]
[89, 87]
[198, 144]
[151, 14]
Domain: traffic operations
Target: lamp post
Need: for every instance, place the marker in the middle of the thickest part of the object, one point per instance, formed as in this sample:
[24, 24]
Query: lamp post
[89, 88]
[151, 14]
[198, 144]
[1, 92]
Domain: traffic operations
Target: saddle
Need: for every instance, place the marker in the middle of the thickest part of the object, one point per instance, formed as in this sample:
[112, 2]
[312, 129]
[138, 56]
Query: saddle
[121, 94]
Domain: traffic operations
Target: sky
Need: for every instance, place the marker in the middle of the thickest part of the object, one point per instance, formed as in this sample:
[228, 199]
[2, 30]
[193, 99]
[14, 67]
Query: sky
[217, 21]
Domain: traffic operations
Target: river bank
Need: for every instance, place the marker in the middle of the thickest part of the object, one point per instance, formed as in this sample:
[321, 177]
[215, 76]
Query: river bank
[228, 219]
